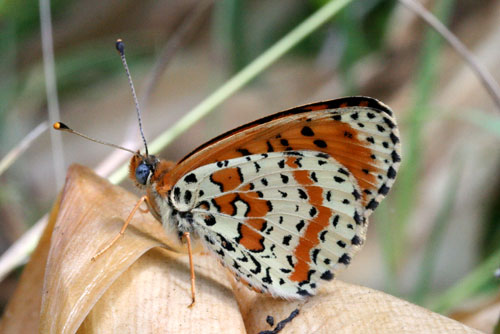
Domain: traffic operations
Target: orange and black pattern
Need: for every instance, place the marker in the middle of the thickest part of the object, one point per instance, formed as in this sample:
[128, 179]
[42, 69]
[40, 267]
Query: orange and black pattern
[284, 201]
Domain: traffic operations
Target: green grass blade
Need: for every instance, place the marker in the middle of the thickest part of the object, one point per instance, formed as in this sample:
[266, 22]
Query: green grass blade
[487, 121]
[406, 187]
[471, 284]
[436, 236]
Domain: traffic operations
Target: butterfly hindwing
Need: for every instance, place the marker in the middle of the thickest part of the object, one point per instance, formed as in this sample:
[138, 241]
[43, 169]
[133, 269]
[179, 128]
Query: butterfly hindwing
[281, 221]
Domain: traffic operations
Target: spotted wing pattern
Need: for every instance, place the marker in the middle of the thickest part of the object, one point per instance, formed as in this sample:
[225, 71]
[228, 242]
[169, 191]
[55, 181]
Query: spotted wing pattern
[284, 201]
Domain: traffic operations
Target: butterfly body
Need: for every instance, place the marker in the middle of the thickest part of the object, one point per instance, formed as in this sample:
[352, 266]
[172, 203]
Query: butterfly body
[282, 201]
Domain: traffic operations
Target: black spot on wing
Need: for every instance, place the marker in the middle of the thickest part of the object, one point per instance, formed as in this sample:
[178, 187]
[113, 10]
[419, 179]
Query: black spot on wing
[270, 147]
[177, 194]
[322, 155]
[372, 205]
[357, 218]
[320, 143]
[191, 178]
[293, 153]
[258, 267]
[338, 179]
[356, 240]
[267, 278]
[356, 194]
[335, 220]
[300, 225]
[394, 138]
[343, 171]
[302, 193]
[395, 157]
[383, 189]
[304, 293]
[315, 255]
[210, 220]
[389, 123]
[225, 244]
[391, 173]
[313, 211]
[345, 259]
[244, 151]
[327, 275]
[307, 131]
[187, 196]
[313, 176]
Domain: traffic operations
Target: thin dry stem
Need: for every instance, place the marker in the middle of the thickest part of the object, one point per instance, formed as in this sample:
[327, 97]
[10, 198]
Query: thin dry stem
[23, 145]
[18, 252]
[483, 74]
[51, 89]
[173, 45]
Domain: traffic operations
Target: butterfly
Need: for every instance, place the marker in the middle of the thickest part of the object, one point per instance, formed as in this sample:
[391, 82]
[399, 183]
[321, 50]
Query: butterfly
[283, 201]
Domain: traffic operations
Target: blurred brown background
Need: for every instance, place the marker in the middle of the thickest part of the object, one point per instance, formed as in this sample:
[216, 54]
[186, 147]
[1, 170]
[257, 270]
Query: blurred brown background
[439, 223]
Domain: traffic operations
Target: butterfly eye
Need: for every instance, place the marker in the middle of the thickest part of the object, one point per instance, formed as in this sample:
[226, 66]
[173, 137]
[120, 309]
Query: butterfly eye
[142, 172]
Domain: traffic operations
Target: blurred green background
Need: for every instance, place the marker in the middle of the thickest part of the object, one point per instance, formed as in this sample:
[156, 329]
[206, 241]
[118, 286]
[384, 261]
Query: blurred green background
[434, 241]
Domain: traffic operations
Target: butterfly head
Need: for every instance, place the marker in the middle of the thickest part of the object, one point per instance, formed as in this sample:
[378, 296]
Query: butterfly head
[142, 169]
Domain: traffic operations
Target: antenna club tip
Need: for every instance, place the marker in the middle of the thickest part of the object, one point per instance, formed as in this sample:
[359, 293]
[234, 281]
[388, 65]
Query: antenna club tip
[60, 126]
[120, 46]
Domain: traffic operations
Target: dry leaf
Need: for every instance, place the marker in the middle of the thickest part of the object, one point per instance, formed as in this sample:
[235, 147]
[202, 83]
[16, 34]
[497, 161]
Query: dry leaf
[483, 314]
[22, 314]
[140, 286]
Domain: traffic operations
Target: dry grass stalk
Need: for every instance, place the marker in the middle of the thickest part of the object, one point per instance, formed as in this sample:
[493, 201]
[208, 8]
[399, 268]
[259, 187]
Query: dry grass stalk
[138, 286]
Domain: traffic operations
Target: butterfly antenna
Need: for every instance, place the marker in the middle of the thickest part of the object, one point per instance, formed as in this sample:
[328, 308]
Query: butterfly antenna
[120, 46]
[63, 127]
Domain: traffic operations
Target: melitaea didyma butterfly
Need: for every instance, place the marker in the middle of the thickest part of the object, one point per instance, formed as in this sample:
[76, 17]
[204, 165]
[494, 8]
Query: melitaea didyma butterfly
[283, 201]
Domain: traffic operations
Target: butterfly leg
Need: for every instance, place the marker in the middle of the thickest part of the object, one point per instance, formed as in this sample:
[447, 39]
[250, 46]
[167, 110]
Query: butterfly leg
[124, 227]
[146, 210]
[191, 266]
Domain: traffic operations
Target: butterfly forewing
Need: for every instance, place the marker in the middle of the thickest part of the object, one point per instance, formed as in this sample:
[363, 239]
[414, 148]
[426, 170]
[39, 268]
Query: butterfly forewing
[284, 200]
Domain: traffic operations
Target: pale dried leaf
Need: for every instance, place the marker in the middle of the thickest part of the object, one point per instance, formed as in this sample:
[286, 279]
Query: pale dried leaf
[22, 314]
[153, 294]
[136, 287]
[483, 316]
[344, 308]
